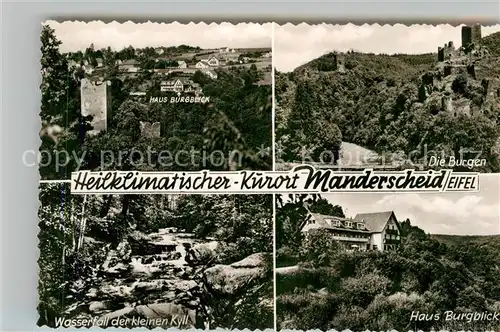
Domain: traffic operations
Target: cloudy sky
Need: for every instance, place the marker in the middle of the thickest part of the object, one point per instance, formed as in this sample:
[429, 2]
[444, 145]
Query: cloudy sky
[299, 44]
[79, 35]
[447, 213]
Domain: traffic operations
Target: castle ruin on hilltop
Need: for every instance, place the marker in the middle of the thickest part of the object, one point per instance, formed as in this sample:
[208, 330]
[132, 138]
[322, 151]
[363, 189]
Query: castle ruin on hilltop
[339, 60]
[465, 62]
[471, 36]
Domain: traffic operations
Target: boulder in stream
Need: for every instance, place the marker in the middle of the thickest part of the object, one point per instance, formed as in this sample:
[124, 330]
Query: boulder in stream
[228, 279]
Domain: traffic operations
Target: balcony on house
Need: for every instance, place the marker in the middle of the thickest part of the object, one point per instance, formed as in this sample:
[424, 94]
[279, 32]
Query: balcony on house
[392, 231]
[350, 237]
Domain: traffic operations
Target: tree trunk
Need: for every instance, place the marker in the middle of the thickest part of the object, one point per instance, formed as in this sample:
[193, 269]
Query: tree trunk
[125, 204]
[83, 224]
[106, 206]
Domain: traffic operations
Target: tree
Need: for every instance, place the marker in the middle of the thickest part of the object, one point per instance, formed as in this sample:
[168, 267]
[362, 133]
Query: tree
[319, 248]
[323, 206]
[459, 84]
[55, 76]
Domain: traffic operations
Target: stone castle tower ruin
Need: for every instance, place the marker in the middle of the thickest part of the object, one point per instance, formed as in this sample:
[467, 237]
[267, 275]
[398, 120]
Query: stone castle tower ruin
[339, 62]
[467, 62]
[95, 101]
[471, 39]
[471, 36]
[446, 52]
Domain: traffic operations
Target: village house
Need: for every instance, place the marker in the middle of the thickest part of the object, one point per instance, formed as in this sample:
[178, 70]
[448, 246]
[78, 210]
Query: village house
[210, 73]
[163, 71]
[100, 62]
[181, 86]
[202, 64]
[131, 66]
[175, 86]
[211, 62]
[181, 64]
[366, 231]
[159, 51]
[226, 50]
[267, 54]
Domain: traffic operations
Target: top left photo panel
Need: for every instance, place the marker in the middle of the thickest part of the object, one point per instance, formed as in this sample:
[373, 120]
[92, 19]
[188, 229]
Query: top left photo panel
[155, 97]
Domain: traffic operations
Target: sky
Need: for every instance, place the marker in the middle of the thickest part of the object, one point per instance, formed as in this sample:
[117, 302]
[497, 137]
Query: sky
[435, 213]
[77, 35]
[299, 44]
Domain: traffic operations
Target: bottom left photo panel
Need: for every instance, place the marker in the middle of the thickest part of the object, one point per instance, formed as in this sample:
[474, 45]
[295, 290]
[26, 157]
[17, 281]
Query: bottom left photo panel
[181, 261]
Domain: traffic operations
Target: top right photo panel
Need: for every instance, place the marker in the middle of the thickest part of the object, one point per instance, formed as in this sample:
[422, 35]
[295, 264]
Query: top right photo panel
[388, 97]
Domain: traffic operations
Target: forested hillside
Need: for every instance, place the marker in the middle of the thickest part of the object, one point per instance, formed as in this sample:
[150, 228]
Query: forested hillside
[322, 287]
[237, 118]
[392, 104]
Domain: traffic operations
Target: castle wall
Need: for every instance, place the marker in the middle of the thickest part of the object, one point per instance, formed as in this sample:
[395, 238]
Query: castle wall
[471, 71]
[95, 101]
[471, 35]
[447, 104]
[461, 106]
[476, 34]
[149, 129]
[446, 52]
[339, 62]
[466, 36]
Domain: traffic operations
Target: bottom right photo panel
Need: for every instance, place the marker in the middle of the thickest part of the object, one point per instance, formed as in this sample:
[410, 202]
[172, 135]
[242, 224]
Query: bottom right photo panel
[385, 261]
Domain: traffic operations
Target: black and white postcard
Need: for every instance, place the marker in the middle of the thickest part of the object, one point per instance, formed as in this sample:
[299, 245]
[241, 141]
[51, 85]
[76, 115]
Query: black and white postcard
[384, 262]
[257, 176]
[151, 96]
[388, 97]
[180, 261]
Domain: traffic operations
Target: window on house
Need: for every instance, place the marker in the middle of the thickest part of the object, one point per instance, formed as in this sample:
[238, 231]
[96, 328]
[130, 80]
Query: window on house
[348, 224]
[375, 247]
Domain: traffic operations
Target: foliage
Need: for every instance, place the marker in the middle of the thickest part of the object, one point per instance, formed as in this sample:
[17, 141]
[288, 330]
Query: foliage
[78, 234]
[235, 124]
[375, 103]
[330, 288]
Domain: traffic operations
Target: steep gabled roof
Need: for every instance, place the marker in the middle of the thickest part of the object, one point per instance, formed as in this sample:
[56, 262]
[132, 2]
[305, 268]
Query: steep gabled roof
[375, 221]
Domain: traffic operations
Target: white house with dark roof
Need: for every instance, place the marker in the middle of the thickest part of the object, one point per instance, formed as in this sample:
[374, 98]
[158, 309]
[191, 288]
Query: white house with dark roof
[202, 64]
[366, 231]
[175, 86]
[210, 73]
[213, 62]
[131, 66]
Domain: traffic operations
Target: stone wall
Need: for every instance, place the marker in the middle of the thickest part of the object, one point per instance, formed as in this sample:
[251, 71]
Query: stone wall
[446, 52]
[149, 129]
[471, 35]
[339, 62]
[95, 101]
